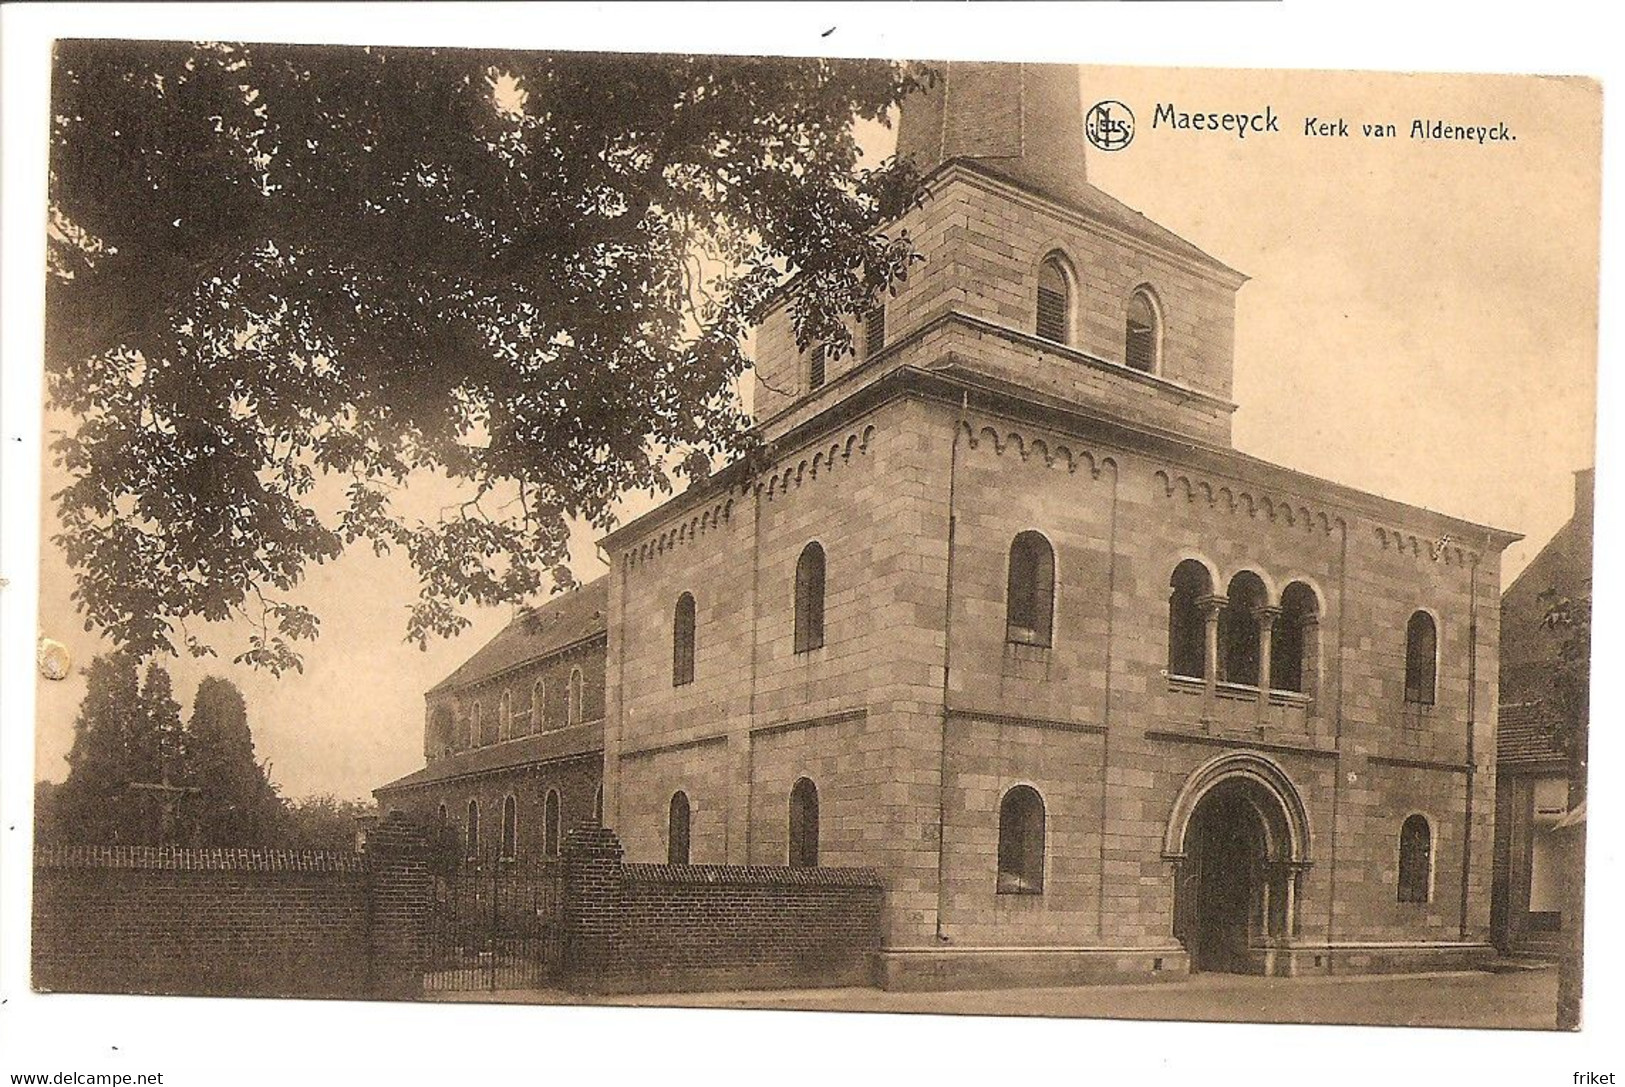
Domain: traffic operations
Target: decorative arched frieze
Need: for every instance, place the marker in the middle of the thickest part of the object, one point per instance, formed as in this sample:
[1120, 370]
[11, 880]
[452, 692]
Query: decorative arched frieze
[1036, 449]
[713, 518]
[806, 468]
[1444, 549]
[771, 485]
[1254, 504]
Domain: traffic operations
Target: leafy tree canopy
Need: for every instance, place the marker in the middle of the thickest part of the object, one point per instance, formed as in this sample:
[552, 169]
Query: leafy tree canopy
[1569, 617]
[526, 272]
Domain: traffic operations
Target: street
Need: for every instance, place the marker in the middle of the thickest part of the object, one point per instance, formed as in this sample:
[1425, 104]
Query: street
[1522, 1000]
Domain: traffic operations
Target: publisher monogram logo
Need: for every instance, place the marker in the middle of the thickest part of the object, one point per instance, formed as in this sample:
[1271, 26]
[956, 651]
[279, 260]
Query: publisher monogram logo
[1109, 125]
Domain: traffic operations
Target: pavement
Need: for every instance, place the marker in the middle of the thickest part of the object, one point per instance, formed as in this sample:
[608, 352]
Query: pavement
[1525, 999]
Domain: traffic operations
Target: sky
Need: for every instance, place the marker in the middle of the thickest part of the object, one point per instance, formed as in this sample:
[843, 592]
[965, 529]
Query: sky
[1420, 323]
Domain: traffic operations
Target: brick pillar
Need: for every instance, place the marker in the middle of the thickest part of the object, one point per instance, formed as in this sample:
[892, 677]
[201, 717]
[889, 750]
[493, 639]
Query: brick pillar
[400, 895]
[592, 904]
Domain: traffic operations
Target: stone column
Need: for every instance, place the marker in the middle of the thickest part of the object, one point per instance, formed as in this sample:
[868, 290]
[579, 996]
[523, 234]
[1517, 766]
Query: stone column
[1211, 606]
[1310, 625]
[400, 896]
[1266, 614]
[592, 905]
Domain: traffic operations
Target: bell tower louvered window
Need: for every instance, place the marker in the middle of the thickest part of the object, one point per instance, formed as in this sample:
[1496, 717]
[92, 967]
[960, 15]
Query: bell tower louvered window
[815, 368]
[1143, 333]
[874, 331]
[1054, 302]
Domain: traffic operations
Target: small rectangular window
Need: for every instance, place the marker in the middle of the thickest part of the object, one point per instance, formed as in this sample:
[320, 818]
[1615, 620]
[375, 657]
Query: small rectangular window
[874, 331]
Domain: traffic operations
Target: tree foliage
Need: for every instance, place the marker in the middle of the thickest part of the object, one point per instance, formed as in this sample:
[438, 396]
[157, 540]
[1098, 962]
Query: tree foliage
[95, 805]
[275, 266]
[235, 803]
[1569, 617]
[136, 776]
[324, 822]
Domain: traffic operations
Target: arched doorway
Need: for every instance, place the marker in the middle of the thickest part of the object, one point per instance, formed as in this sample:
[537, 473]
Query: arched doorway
[1239, 841]
[1224, 853]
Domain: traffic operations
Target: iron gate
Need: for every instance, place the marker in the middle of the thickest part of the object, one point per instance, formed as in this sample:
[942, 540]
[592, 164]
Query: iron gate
[496, 926]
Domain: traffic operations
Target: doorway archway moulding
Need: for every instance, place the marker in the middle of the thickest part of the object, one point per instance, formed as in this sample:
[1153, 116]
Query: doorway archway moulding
[1262, 772]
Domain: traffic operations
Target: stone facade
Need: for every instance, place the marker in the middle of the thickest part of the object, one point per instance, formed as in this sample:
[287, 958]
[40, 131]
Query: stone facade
[1192, 732]
[914, 467]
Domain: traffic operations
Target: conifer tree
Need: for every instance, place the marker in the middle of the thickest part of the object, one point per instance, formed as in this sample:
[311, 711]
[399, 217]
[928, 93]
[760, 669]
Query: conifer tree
[236, 804]
[157, 759]
[95, 805]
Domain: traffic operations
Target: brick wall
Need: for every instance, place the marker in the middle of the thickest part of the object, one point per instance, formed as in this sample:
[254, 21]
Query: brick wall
[657, 927]
[206, 921]
[695, 926]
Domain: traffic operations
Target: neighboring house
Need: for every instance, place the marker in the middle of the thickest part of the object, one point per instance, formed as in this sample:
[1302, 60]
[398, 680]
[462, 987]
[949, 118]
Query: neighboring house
[514, 738]
[1005, 617]
[1532, 783]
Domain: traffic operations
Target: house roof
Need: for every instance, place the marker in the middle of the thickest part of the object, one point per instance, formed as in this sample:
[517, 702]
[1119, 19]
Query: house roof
[560, 743]
[1524, 734]
[537, 632]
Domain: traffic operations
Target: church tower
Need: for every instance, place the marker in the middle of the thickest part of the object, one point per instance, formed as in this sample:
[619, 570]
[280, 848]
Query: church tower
[1024, 121]
[1032, 276]
[999, 614]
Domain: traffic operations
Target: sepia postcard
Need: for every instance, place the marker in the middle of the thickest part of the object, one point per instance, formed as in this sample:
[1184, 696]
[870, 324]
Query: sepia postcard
[758, 530]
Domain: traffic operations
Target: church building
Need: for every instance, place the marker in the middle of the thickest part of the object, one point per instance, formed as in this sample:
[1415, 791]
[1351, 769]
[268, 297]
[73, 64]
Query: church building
[1007, 619]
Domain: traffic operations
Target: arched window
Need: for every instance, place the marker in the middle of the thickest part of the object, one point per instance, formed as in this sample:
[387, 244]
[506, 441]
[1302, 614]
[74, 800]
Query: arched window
[441, 729]
[817, 360]
[809, 633]
[598, 805]
[1415, 859]
[677, 829]
[551, 817]
[1054, 301]
[445, 816]
[1238, 629]
[473, 829]
[804, 824]
[682, 642]
[1021, 842]
[1143, 335]
[574, 707]
[1187, 628]
[874, 331]
[505, 716]
[1030, 597]
[538, 705]
[476, 727]
[1291, 647]
[1421, 659]
[510, 827]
